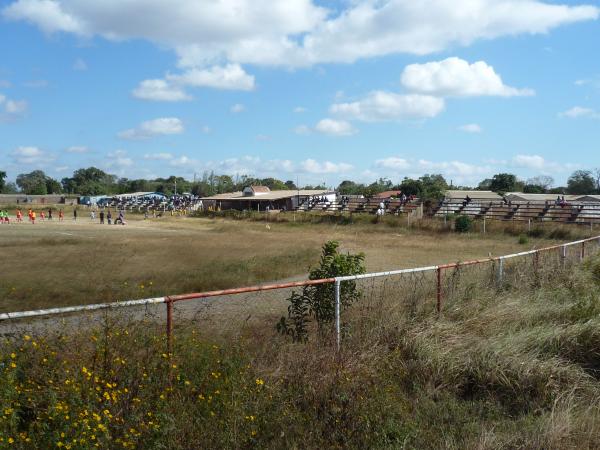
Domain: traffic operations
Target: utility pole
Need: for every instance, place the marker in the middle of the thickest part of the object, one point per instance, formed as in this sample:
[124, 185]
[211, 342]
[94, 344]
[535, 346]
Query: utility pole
[175, 187]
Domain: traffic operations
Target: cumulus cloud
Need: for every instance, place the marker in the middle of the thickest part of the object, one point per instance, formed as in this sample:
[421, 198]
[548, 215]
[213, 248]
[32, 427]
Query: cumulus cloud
[156, 127]
[159, 156]
[455, 77]
[31, 155]
[580, 112]
[118, 161]
[386, 106]
[393, 162]
[237, 108]
[229, 77]
[16, 106]
[299, 109]
[315, 167]
[12, 108]
[302, 130]
[77, 149]
[539, 164]
[160, 90]
[471, 128]
[298, 32]
[334, 127]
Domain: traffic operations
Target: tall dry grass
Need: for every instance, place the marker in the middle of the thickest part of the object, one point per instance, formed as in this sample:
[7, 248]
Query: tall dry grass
[510, 363]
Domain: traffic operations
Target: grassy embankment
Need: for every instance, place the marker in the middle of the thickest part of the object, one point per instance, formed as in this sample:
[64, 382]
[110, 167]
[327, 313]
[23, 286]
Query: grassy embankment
[506, 365]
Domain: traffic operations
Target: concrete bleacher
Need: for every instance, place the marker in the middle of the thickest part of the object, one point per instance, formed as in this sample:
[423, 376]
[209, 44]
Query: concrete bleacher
[573, 211]
[356, 205]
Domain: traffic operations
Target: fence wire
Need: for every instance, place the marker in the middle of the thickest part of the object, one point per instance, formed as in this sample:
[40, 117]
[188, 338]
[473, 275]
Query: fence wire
[384, 300]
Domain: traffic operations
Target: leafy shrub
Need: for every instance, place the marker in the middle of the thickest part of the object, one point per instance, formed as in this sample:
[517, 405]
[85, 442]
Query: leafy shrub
[523, 239]
[317, 302]
[463, 224]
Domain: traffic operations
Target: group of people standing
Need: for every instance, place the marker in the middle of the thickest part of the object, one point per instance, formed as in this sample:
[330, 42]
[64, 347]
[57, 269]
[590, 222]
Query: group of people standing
[32, 216]
[109, 217]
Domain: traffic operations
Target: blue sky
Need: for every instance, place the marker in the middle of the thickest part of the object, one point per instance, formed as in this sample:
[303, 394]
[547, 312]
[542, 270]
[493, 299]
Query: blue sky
[319, 91]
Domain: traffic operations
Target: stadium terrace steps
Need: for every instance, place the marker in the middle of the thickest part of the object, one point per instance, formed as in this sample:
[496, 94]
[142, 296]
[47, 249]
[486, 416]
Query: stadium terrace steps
[575, 212]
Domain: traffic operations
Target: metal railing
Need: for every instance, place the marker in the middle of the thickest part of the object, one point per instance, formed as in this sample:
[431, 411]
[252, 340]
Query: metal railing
[438, 271]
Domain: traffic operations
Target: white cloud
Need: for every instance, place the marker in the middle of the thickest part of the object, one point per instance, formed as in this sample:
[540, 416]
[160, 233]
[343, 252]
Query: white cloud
[302, 130]
[229, 77]
[31, 155]
[159, 156]
[453, 168]
[118, 160]
[471, 128]
[77, 149]
[16, 106]
[160, 90]
[60, 169]
[80, 65]
[581, 112]
[315, 167]
[539, 164]
[393, 162]
[11, 109]
[237, 108]
[205, 129]
[299, 109]
[334, 127]
[4, 84]
[457, 78]
[298, 32]
[263, 137]
[48, 15]
[183, 161]
[156, 127]
[385, 106]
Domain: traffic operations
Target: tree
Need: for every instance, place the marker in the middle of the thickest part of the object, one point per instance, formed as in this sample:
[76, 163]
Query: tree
[581, 182]
[433, 187]
[10, 188]
[290, 185]
[504, 182]
[33, 183]
[2, 180]
[90, 181]
[53, 186]
[348, 187]
[543, 181]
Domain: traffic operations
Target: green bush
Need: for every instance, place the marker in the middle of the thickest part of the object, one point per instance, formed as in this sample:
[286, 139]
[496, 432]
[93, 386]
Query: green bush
[523, 239]
[463, 224]
[318, 301]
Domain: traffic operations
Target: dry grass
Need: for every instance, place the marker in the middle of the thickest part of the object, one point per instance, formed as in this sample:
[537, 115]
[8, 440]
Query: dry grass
[507, 365]
[53, 264]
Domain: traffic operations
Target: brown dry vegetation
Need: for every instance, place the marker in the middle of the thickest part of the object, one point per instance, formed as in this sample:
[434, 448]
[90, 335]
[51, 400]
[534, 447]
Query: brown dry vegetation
[509, 363]
[54, 264]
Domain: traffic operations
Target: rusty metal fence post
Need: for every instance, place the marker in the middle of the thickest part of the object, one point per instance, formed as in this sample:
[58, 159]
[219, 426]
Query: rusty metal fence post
[582, 250]
[169, 303]
[439, 290]
[337, 289]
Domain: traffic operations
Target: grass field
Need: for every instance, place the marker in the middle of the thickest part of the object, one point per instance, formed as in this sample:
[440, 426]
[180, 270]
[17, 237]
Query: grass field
[510, 365]
[68, 263]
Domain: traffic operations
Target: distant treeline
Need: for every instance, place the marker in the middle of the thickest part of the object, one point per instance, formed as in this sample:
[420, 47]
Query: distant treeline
[94, 181]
